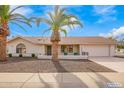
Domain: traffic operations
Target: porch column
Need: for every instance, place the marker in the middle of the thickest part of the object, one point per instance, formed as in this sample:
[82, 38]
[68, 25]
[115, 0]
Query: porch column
[43, 50]
[59, 50]
[80, 49]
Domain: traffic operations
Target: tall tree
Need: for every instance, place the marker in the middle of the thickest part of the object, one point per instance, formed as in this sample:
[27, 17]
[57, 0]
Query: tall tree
[9, 16]
[57, 22]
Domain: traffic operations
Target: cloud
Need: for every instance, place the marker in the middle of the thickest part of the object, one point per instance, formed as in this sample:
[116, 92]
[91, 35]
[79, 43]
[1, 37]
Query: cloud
[104, 10]
[105, 13]
[115, 33]
[106, 19]
[22, 10]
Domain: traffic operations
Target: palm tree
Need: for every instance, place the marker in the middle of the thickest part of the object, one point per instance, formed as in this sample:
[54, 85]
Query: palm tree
[8, 16]
[57, 22]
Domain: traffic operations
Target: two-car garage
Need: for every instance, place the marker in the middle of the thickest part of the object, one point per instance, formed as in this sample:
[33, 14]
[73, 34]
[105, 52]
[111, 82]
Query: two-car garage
[98, 50]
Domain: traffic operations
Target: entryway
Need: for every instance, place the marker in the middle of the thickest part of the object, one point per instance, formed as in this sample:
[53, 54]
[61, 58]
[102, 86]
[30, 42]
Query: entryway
[48, 50]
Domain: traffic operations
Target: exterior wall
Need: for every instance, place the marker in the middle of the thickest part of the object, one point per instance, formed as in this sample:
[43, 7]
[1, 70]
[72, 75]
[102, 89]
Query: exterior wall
[30, 48]
[98, 50]
[93, 50]
[112, 50]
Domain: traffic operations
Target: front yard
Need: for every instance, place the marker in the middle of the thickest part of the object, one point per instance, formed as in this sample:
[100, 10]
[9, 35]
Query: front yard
[33, 73]
[33, 65]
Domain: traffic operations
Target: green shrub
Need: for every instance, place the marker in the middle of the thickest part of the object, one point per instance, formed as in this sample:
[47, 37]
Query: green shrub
[75, 53]
[10, 55]
[20, 55]
[65, 53]
[120, 47]
[33, 55]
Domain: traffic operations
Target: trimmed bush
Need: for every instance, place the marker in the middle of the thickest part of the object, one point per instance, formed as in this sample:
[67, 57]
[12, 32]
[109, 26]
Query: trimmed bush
[20, 55]
[33, 55]
[120, 47]
[75, 53]
[10, 55]
[65, 53]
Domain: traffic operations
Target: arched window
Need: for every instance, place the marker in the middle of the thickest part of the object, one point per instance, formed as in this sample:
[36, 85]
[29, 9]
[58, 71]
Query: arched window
[20, 48]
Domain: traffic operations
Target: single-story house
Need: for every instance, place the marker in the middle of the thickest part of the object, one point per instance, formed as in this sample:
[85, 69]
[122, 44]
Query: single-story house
[68, 46]
[121, 43]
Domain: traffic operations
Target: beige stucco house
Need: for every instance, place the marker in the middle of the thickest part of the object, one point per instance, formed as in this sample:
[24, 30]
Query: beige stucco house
[69, 47]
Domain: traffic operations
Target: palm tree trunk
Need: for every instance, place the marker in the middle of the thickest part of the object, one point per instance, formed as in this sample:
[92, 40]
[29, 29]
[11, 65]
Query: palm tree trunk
[3, 35]
[55, 38]
[55, 51]
[2, 48]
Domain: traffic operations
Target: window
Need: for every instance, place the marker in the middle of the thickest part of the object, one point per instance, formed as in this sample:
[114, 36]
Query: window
[20, 48]
[63, 48]
[70, 49]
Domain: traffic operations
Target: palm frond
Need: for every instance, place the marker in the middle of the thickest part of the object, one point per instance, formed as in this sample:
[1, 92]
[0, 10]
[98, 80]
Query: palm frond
[72, 23]
[63, 10]
[71, 16]
[18, 25]
[16, 18]
[38, 21]
[64, 31]
[76, 23]
[47, 30]
[56, 9]
[17, 15]
[32, 19]
[43, 20]
[51, 16]
[4, 9]
[24, 22]
[15, 9]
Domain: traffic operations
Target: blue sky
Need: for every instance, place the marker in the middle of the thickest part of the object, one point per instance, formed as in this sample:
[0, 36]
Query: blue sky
[97, 20]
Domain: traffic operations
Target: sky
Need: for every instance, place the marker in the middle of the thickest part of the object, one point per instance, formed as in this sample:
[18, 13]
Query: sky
[99, 20]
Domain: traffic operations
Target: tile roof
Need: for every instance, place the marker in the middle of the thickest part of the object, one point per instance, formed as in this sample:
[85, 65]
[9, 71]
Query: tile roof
[69, 40]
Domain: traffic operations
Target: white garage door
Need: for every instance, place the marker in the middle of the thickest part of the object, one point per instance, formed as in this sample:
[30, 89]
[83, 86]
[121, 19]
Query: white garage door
[97, 50]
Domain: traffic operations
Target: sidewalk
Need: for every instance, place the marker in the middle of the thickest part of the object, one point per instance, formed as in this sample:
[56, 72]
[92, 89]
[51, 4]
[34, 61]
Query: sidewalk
[60, 80]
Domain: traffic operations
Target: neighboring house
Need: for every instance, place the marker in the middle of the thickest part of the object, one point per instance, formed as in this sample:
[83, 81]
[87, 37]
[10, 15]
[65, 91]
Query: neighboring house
[121, 43]
[95, 46]
[120, 46]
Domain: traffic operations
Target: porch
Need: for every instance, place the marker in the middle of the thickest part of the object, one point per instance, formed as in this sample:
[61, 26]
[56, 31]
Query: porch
[65, 52]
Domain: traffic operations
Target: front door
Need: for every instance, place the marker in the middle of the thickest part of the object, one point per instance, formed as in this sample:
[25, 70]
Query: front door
[48, 50]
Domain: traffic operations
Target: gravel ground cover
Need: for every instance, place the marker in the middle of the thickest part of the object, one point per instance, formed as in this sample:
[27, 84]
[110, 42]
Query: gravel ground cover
[33, 65]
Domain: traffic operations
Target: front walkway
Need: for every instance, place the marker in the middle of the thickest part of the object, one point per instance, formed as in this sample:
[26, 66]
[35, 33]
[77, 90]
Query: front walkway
[100, 72]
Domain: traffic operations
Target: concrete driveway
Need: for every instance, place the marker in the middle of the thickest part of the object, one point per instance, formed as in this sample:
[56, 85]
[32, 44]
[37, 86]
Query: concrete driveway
[113, 63]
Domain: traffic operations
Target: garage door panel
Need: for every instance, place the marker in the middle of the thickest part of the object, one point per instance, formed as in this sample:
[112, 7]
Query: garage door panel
[97, 50]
